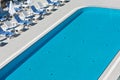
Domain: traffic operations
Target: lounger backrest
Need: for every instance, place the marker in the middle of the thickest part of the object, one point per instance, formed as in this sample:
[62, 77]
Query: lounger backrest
[1, 30]
[25, 13]
[17, 18]
[33, 8]
[7, 24]
[49, 1]
[40, 4]
[1, 10]
[16, 2]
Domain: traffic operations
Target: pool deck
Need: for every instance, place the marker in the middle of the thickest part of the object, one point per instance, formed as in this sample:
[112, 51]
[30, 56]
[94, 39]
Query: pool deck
[17, 45]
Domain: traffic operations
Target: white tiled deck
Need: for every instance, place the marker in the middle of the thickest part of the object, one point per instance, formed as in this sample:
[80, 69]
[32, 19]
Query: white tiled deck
[16, 45]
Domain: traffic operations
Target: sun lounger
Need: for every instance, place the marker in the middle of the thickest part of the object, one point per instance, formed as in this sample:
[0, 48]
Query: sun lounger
[38, 12]
[53, 3]
[22, 22]
[27, 16]
[10, 27]
[6, 33]
[42, 7]
[2, 19]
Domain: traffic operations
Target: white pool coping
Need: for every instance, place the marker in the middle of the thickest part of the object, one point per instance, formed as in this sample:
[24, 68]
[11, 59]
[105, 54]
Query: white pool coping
[111, 73]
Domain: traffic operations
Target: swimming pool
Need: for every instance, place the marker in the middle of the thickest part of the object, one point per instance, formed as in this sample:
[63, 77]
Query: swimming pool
[80, 48]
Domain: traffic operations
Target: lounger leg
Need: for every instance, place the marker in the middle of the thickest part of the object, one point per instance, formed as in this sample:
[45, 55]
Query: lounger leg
[48, 11]
[1, 43]
[24, 28]
[62, 3]
[8, 37]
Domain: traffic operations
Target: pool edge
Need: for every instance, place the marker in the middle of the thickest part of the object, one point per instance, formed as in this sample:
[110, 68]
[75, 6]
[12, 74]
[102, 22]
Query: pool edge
[17, 53]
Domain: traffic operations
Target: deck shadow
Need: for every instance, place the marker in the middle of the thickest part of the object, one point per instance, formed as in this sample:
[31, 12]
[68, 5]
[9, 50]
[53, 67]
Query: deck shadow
[33, 24]
[48, 13]
[3, 44]
[16, 35]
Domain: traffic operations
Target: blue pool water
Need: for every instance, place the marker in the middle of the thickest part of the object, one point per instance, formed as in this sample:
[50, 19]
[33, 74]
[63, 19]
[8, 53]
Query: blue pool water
[80, 50]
